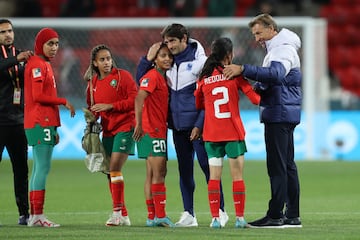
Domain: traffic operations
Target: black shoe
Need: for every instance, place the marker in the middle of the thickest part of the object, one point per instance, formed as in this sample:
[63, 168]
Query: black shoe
[23, 220]
[267, 222]
[292, 222]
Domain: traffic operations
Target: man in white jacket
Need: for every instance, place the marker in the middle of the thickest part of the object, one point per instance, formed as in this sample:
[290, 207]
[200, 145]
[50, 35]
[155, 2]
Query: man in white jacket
[278, 82]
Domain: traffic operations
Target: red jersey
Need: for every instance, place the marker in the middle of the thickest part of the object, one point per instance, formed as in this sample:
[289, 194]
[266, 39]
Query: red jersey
[119, 89]
[220, 99]
[155, 108]
[41, 101]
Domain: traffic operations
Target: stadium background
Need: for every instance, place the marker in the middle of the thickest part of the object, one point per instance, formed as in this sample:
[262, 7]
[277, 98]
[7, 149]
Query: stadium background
[332, 121]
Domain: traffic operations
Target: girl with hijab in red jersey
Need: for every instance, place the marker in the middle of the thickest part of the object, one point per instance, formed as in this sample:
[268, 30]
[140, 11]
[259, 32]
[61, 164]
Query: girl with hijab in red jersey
[224, 133]
[41, 119]
[111, 94]
[151, 110]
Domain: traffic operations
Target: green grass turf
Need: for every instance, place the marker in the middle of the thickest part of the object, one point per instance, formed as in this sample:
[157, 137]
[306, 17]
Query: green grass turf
[81, 203]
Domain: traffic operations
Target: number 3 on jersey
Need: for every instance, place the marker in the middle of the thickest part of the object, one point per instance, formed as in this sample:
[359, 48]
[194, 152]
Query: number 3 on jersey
[47, 137]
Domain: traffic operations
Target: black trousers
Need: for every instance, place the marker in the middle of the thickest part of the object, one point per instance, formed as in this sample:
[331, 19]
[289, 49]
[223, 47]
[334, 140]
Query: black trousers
[282, 170]
[14, 139]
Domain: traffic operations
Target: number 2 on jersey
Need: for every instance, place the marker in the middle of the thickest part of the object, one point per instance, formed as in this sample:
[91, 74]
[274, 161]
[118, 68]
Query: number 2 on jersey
[221, 101]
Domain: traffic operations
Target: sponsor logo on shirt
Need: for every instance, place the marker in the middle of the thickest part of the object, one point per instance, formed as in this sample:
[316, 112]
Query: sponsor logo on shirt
[145, 82]
[36, 72]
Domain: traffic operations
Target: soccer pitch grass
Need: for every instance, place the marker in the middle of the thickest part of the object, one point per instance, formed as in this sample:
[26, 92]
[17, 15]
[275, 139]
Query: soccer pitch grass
[80, 201]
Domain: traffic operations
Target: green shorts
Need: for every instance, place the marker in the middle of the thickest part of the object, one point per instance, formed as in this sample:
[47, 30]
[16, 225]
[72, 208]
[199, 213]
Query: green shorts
[122, 142]
[149, 146]
[220, 149]
[41, 135]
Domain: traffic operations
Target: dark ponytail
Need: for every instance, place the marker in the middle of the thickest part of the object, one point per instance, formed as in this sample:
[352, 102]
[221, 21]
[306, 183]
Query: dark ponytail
[220, 48]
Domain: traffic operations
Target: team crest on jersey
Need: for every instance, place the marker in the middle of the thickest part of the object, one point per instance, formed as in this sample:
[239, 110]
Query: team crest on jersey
[113, 83]
[36, 72]
[189, 66]
[145, 82]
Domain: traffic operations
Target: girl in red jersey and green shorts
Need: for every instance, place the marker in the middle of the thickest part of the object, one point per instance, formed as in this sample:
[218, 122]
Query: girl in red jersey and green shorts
[224, 133]
[151, 110]
[111, 97]
[41, 119]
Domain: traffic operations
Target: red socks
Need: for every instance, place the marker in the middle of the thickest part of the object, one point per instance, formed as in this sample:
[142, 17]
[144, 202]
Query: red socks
[239, 197]
[150, 208]
[37, 199]
[158, 191]
[116, 186]
[214, 197]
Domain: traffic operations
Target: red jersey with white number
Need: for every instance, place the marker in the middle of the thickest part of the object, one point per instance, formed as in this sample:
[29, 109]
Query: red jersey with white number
[118, 89]
[41, 100]
[155, 108]
[220, 99]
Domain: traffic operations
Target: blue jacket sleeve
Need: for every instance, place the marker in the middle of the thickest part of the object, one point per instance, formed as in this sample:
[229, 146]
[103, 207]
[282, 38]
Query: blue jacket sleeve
[200, 120]
[142, 68]
[267, 75]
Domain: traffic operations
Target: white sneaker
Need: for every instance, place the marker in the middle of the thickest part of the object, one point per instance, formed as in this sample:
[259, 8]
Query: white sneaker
[40, 220]
[114, 220]
[187, 220]
[125, 220]
[224, 218]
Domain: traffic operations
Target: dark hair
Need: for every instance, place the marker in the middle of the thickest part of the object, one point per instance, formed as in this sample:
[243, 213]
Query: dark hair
[4, 20]
[175, 30]
[220, 48]
[264, 19]
[162, 45]
[92, 69]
